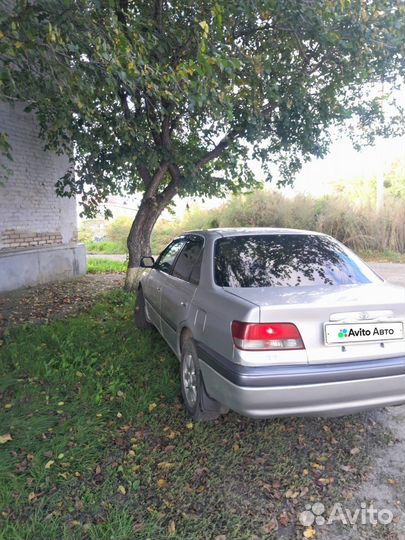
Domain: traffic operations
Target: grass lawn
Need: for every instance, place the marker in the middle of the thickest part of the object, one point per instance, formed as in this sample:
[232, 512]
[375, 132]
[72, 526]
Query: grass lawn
[96, 445]
[106, 247]
[105, 266]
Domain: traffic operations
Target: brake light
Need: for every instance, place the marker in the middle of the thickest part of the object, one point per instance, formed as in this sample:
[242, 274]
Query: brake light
[266, 336]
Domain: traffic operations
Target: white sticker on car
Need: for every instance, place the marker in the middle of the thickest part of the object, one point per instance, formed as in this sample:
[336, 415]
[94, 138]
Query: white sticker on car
[362, 332]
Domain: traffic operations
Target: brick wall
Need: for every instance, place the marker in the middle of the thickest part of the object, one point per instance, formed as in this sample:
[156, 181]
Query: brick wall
[30, 212]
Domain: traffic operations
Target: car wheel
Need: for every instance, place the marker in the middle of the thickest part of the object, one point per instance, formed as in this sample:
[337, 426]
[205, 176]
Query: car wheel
[141, 321]
[199, 405]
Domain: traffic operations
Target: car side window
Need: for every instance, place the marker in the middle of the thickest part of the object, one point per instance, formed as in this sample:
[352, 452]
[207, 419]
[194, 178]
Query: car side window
[189, 260]
[169, 254]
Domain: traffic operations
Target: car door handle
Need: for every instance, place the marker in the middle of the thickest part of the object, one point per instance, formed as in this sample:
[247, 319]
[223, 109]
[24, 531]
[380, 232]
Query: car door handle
[183, 304]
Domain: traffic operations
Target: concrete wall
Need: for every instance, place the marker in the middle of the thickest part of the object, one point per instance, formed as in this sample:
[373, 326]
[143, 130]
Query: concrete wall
[31, 215]
[25, 267]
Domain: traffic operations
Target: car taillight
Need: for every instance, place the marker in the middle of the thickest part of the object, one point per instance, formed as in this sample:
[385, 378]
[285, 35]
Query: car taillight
[266, 336]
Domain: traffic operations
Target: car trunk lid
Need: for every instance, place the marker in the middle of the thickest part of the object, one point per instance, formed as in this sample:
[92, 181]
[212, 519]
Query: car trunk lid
[309, 308]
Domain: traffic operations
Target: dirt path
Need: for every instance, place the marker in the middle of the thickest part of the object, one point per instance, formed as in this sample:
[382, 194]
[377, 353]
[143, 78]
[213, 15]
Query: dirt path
[53, 301]
[383, 489]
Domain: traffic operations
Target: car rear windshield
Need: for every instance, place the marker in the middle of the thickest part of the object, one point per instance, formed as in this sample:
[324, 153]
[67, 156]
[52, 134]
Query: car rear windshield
[285, 260]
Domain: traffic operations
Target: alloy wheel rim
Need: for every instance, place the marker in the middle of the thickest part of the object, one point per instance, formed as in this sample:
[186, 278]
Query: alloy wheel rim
[189, 379]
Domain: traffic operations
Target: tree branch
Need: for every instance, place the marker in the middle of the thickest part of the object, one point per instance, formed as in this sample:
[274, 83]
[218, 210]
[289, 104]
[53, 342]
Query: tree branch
[218, 149]
[144, 174]
[158, 13]
[155, 180]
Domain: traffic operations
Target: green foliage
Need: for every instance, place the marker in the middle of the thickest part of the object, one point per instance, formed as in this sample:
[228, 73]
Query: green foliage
[107, 247]
[175, 97]
[105, 266]
[118, 229]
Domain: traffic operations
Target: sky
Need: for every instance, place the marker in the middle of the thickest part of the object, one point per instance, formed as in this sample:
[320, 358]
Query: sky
[344, 162]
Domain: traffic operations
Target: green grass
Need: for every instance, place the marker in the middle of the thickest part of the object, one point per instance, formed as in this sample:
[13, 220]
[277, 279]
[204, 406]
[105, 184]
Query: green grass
[102, 449]
[110, 248]
[103, 266]
[382, 256]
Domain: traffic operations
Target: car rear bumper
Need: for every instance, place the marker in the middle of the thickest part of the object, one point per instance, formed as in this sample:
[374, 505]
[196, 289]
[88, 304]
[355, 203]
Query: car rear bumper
[307, 390]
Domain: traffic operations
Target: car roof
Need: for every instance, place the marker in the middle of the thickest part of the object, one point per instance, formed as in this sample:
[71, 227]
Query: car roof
[241, 231]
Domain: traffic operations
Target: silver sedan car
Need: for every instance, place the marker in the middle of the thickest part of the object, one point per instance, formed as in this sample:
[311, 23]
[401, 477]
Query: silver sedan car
[272, 322]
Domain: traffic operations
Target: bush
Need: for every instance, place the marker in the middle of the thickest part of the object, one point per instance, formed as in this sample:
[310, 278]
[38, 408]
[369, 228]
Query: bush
[358, 227]
[118, 229]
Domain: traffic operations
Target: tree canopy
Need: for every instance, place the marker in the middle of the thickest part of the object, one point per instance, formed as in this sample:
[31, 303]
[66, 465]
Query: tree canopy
[165, 97]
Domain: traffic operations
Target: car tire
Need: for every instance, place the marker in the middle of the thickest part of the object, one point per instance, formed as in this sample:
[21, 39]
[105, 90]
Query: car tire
[199, 405]
[141, 322]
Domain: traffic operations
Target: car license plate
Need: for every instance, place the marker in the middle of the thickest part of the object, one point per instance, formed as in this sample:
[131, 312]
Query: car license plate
[362, 332]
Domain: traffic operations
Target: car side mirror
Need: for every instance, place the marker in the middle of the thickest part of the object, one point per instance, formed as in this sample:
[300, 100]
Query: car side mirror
[147, 262]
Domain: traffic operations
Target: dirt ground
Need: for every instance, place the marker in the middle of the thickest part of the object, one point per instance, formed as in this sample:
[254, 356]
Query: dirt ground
[43, 303]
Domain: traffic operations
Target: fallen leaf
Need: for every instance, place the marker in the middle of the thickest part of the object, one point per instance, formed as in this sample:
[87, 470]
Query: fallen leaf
[138, 527]
[391, 482]
[236, 447]
[189, 425]
[270, 526]
[355, 451]
[119, 415]
[171, 529]
[121, 490]
[161, 483]
[49, 464]
[309, 532]
[200, 489]
[5, 438]
[152, 407]
[32, 496]
[165, 465]
[326, 481]
[8, 405]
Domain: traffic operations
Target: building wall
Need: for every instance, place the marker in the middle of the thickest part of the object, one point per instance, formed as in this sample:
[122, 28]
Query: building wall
[35, 224]
[30, 212]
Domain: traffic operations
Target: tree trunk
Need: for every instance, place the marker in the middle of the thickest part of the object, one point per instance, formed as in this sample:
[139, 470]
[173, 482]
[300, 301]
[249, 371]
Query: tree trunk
[138, 241]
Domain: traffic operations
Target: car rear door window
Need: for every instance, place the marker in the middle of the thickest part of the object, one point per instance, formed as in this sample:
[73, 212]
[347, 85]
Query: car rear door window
[189, 260]
[289, 260]
[169, 254]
